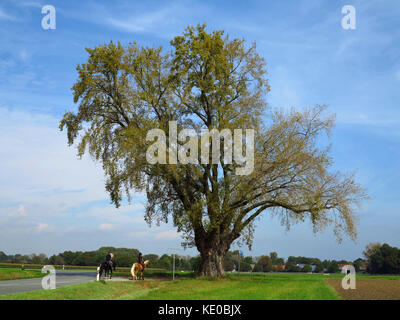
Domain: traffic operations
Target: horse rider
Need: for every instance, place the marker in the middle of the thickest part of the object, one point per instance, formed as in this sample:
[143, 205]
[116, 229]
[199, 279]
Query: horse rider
[141, 260]
[109, 257]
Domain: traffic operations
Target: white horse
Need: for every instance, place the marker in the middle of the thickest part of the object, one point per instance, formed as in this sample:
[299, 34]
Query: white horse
[137, 268]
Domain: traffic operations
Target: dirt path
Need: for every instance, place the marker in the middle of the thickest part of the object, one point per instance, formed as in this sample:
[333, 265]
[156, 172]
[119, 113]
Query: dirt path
[368, 289]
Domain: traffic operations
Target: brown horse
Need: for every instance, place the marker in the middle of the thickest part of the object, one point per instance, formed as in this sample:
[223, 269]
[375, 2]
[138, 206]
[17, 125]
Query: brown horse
[137, 268]
[105, 267]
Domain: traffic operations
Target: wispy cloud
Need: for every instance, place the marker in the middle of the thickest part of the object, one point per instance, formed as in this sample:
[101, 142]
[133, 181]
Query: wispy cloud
[144, 22]
[160, 19]
[157, 235]
[6, 16]
[107, 227]
[32, 4]
[42, 227]
[167, 235]
[20, 212]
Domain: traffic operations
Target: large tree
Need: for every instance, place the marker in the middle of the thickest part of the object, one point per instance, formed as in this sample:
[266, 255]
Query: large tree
[206, 81]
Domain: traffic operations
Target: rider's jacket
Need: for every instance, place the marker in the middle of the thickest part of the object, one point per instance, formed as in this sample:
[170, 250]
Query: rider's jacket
[108, 257]
[140, 258]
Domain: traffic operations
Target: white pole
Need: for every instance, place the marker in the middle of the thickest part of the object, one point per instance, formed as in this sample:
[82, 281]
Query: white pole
[173, 263]
[98, 274]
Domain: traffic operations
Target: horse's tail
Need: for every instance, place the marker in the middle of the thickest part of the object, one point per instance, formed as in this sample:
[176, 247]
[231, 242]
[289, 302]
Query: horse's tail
[133, 270]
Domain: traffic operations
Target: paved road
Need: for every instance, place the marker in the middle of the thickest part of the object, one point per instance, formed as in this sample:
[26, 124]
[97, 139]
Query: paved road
[63, 278]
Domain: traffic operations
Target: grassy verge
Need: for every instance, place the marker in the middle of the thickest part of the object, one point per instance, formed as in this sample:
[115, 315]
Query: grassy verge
[259, 287]
[14, 273]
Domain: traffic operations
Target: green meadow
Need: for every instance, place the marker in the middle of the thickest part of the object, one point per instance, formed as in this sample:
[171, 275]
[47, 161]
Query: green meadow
[243, 286]
[14, 274]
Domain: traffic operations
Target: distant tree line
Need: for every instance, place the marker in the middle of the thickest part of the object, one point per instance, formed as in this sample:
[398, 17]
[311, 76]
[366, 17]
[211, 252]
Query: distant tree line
[124, 257]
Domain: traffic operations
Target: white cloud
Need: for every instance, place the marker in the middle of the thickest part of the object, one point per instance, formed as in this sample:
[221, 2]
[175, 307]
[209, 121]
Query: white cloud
[32, 4]
[5, 16]
[42, 227]
[167, 235]
[107, 226]
[20, 212]
[139, 234]
[157, 235]
[144, 22]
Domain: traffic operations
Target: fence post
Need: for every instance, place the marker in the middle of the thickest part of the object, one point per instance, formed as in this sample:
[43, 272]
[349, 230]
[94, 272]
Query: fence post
[98, 274]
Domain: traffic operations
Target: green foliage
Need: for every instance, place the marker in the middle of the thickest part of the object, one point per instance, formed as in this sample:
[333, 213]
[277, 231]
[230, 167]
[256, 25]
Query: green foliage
[248, 260]
[273, 256]
[229, 265]
[27, 259]
[386, 260]
[306, 268]
[358, 263]
[3, 256]
[333, 267]
[290, 267]
[258, 268]
[195, 263]
[303, 260]
[245, 267]
[265, 263]
[319, 268]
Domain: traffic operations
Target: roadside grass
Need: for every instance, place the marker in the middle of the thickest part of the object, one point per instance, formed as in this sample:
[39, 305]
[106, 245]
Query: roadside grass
[241, 287]
[246, 287]
[88, 291]
[14, 274]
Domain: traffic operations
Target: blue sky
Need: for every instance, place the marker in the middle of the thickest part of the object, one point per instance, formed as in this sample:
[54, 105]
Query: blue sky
[50, 201]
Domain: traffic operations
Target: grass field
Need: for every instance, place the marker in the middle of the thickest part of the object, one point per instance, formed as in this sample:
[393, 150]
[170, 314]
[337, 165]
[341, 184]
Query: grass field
[260, 286]
[14, 273]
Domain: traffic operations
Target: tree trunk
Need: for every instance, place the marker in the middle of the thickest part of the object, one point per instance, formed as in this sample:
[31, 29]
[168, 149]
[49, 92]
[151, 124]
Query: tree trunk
[211, 265]
[212, 254]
